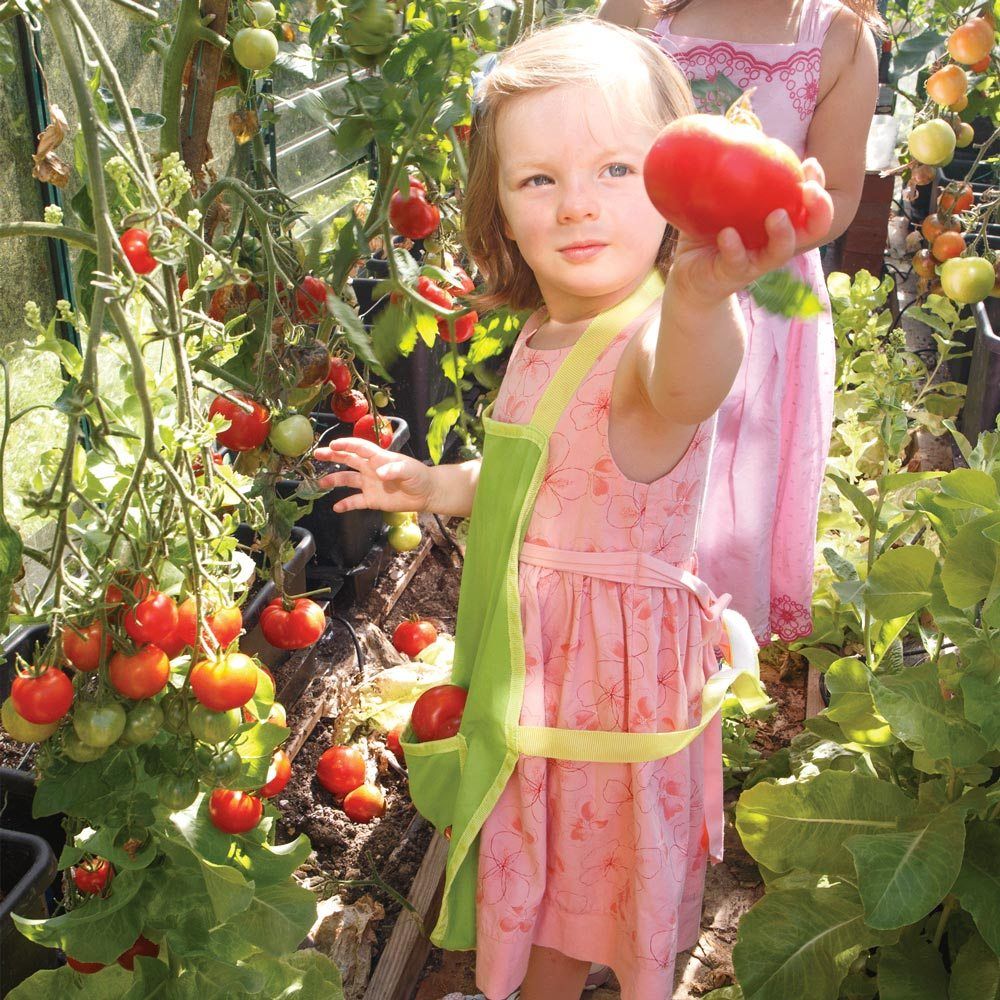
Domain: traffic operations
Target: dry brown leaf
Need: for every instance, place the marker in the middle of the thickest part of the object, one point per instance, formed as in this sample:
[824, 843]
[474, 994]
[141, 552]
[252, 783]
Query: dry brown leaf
[244, 125]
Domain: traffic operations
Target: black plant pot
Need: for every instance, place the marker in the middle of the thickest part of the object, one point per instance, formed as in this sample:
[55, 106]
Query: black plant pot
[342, 541]
[27, 868]
[29, 849]
[982, 400]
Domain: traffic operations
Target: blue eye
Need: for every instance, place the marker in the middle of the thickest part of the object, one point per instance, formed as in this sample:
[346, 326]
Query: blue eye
[541, 178]
[619, 169]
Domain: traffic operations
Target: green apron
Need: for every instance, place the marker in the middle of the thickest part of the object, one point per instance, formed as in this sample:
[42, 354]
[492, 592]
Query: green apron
[456, 782]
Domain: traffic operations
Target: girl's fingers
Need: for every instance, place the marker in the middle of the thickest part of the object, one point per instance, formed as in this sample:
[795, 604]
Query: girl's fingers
[813, 170]
[356, 501]
[337, 480]
[780, 241]
[819, 210]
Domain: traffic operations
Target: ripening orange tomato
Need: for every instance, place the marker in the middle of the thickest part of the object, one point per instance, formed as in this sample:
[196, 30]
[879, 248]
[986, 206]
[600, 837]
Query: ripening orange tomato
[971, 42]
[948, 85]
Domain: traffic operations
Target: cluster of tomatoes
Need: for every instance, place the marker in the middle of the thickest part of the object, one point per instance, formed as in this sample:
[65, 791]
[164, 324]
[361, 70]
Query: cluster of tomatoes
[945, 265]
[369, 29]
[416, 218]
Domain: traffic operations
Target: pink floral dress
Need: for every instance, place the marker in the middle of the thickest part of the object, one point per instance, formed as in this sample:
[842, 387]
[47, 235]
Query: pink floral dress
[759, 524]
[603, 862]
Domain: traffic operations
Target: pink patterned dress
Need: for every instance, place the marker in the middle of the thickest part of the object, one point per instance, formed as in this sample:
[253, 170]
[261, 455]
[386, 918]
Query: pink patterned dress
[603, 862]
[759, 524]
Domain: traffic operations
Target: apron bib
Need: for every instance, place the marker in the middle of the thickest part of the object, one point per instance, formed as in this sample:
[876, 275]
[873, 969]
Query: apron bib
[456, 782]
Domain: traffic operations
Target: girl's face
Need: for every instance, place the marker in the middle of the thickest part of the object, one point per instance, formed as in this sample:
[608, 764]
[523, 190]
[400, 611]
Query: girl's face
[572, 194]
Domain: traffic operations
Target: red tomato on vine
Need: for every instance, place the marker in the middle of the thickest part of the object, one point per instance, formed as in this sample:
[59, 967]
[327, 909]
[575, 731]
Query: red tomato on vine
[295, 627]
[378, 431]
[248, 427]
[234, 812]
[42, 696]
[414, 217]
[135, 246]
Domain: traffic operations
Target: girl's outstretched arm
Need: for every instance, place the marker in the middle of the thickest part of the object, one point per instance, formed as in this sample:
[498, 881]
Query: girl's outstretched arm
[687, 367]
[386, 480]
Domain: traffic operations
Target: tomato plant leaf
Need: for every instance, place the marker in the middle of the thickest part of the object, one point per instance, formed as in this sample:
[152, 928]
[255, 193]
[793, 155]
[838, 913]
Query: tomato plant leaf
[111, 982]
[443, 417]
[279, 917]
[300, 976]
[899, 583]
[975, 973]
[355, 333]
[780, 292]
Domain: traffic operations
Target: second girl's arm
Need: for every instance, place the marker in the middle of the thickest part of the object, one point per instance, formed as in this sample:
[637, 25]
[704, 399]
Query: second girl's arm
[839, 129]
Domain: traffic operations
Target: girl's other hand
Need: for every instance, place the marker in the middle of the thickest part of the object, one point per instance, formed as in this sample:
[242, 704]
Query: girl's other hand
[385, 480]
[706, 273]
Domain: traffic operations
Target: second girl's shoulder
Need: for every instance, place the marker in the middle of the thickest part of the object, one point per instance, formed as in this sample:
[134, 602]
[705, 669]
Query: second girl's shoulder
[848, 40]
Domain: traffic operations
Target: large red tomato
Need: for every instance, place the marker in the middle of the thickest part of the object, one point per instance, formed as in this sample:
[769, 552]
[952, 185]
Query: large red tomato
[225, 682]
[295, 627]
[438, 712]
[247, 430]
[465, 326]
[415, 216]
[364, 803]
[349, 406]
[143, 948]
[310, 299]
[143, 674]
[705, 173]
[42, 697]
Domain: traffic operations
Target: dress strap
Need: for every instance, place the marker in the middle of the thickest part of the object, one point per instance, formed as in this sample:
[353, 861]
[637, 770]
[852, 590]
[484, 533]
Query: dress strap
[814, 21]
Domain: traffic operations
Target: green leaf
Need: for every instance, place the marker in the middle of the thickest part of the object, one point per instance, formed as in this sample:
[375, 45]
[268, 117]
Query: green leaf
[903, 876]
[981, 700]
[978, 883]
[900, 582]
[975, 974]
[394, 333]
[443, 417]
[911, 970]
[355, 333]
[970, 563]
[800, 943]
[915, 51]
[303, 975]
[279, 917]
[111, 983]
[861, 502]
[426, 327]
[851, 704]
[805, 824]
[912, 704]
[782, 293]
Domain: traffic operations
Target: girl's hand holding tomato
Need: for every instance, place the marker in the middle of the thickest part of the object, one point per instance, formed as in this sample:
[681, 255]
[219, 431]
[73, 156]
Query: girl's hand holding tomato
[707, 270]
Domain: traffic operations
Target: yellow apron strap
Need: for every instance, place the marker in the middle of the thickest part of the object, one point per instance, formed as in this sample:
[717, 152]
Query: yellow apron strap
[588, 349]
[742, 675]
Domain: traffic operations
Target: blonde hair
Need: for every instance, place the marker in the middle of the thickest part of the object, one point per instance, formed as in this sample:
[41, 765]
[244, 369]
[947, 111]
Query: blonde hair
[576, 52]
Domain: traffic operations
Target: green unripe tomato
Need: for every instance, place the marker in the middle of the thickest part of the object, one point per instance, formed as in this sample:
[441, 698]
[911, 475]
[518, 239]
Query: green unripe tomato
[405, 537]
[967, 280]
[932, 143]
[176, 709]
[966, 133]
[77, 750]
[292, 436]
[99, 725]
[255, 48]
[394, 518]
[380, 399]
[222, 768]
[213, 727]
[263, 13]
[19, 729]
[177, 791]
[142, 723]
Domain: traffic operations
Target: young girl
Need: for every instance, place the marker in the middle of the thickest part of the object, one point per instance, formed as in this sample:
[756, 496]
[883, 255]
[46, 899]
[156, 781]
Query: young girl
[813, 67]
[580, 801]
